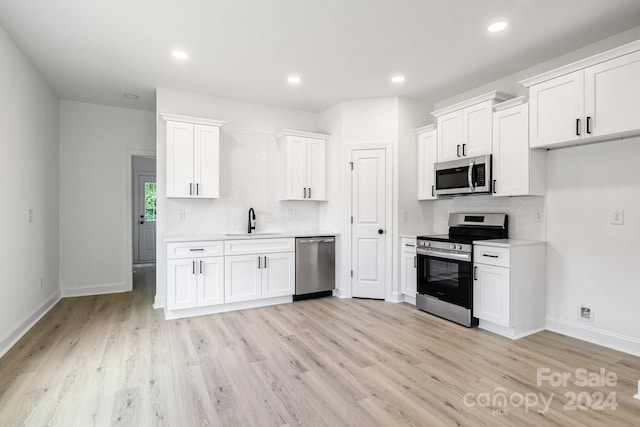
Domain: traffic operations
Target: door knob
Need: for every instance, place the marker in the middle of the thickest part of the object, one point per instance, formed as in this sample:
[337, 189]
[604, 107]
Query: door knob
[380, 231]
[141, 222]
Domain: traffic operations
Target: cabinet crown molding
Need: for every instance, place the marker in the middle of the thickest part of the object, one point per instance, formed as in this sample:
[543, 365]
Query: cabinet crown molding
[510, 103]
[424, 129]
[195, 120]
[489, 96]
[290, 132]
[583, 63]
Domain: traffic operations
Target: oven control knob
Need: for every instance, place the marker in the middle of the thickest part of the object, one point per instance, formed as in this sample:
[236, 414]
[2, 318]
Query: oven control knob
[452, 246]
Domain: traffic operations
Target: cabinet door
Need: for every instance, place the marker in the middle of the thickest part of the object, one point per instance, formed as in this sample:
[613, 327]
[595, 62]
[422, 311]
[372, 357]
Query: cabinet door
[427, 157]
[554, 108]
[408, 276]
[450, 136]
[206, 161]
[296, 168]
[180, 154]
[491, 294]
[316, 169]
[210, 281]
[612, 91]
[477, 129]
[181, 283]
[278, 274]
[511, 151]
[242, 278]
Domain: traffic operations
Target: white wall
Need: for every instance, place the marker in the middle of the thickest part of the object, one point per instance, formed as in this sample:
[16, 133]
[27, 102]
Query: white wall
[389, 121]
[250, 172]
[591, 262]
[96, 143]
[29, 176]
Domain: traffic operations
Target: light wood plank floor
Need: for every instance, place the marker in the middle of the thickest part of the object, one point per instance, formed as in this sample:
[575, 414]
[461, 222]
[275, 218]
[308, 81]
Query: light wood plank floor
[113, 361]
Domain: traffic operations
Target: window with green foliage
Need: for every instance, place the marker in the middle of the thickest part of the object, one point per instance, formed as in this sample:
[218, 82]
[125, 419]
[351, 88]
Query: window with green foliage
[149, 201]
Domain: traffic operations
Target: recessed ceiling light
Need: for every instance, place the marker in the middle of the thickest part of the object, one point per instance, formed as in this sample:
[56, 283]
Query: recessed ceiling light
[131, 96]
[180, 54]
[496, 27]
[294, 80]
[398, 79]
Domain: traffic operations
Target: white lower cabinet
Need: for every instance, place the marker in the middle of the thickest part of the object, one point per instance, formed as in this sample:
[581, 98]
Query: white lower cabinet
[216, 276]
[509, 287]
[250, 277]
[408, 270]
[194, 281]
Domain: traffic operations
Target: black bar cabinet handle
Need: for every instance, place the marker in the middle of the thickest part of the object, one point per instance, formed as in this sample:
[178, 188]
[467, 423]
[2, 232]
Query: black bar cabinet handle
[433, 191]
[578, 127]
[305, 193]
[464, 150]
[309, 192]
[265, 262]
[475, 273]
[588, 124]
[415, 261]
[259, 262]
[494, 186]
[458, 150]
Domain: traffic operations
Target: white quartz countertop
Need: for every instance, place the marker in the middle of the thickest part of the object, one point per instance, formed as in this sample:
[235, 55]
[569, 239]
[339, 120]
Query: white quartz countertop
[508, 243]
[239, 236]
[407, 236]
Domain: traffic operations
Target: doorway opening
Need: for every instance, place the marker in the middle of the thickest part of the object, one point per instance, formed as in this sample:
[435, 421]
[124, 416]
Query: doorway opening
[144, 216]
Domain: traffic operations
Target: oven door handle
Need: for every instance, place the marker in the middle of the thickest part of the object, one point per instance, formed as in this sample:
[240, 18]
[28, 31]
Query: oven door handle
[445, 255]
[470, 178]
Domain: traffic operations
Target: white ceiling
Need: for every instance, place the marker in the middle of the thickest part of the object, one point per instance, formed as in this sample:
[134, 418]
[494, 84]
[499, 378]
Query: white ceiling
[97, 50]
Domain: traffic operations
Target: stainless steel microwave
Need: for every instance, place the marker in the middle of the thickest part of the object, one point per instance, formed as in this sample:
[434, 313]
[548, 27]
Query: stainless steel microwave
[471, 175]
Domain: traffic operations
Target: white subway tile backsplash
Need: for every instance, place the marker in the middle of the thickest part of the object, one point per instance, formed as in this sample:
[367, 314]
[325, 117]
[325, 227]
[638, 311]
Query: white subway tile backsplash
[521, 211]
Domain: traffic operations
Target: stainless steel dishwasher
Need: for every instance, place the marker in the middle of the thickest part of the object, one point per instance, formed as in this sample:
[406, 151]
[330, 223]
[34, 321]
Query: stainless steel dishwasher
[315, 267]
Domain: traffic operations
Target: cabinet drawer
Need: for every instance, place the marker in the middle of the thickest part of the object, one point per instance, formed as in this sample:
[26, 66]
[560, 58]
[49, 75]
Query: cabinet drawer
[491, 255]
[194, 249]
[408, 245]
[258, 246]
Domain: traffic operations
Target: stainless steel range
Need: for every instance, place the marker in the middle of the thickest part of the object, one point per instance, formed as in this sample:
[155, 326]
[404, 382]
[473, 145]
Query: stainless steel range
[445, 265]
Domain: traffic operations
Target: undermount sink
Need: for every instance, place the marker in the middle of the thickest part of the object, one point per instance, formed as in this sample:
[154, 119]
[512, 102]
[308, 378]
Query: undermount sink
[252, 234]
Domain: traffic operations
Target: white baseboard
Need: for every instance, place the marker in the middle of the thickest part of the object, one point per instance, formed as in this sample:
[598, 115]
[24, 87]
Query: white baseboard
[593, 335]
[223, 308]
[396, 297]
[159, 302]
[97, 289]
[23, 326]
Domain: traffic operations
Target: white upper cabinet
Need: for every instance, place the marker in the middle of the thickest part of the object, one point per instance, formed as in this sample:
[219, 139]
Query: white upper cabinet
[517, 170]
[303, 157]
[612, 95]
[465, 129]
[588, 101]
[556, 108]
[427, 157]
[193, 157]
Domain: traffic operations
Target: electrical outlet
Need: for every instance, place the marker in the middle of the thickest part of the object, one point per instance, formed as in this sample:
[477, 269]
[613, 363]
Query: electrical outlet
[617, 217]
[292, 214]
[183, 214]
[586, 314]
[537, 215]
[405, 216]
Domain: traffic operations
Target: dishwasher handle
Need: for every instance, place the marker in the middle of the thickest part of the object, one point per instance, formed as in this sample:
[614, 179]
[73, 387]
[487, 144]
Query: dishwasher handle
[317, 240]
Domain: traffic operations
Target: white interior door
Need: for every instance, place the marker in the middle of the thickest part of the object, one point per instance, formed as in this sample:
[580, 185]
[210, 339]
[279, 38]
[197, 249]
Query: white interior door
[145, 221]
[368, 207]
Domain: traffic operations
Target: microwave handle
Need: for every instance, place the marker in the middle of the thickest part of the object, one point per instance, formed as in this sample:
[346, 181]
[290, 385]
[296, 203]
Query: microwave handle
[470, 178]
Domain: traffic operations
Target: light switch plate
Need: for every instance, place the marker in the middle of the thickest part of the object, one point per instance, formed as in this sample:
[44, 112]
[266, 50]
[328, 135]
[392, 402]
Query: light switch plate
[405, 216]
[617, 217]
